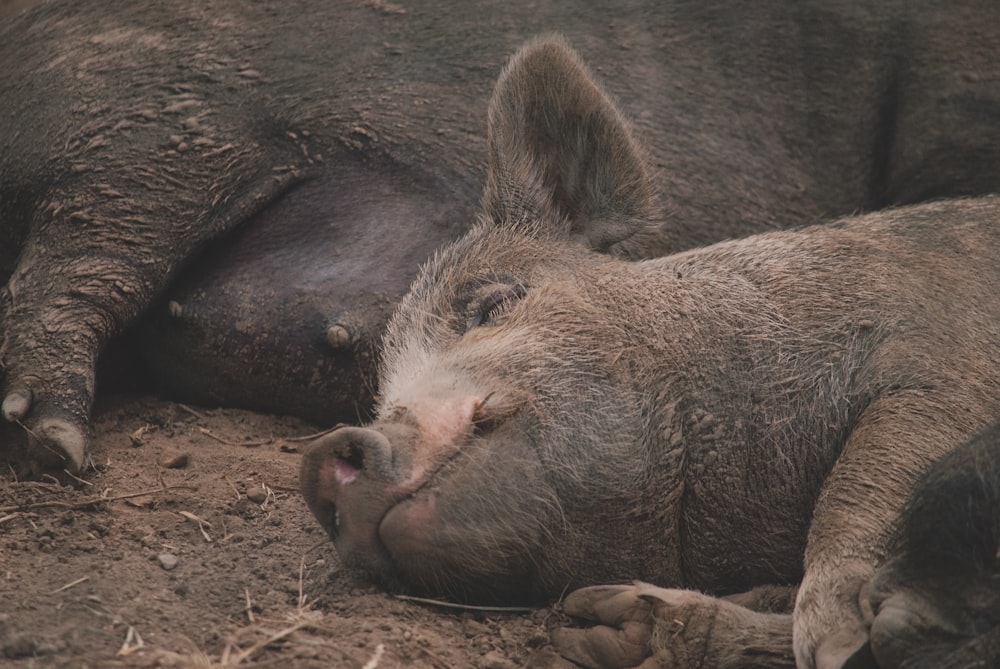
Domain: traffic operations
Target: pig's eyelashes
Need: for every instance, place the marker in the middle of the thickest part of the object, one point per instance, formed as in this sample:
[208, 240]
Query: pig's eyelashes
[488, 308]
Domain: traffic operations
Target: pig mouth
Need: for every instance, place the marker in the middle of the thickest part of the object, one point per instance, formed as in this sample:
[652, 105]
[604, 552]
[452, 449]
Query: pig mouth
[441, 532]
[377, 524]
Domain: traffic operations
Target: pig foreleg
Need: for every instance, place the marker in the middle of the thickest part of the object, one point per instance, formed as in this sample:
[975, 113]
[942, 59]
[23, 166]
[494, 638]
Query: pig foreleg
[641, 625]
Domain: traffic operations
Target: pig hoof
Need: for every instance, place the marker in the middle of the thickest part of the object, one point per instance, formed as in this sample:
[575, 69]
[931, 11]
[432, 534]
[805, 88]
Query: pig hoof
[16, 404]
[624, 630]
[641, 625]
[904, 624]
[840, 646]
[54, 444]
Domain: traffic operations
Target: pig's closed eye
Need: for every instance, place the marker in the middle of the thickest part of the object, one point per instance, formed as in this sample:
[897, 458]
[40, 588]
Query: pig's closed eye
[487, 309]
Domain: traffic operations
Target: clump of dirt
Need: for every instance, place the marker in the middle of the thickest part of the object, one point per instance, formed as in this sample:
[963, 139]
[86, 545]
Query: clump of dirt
[188, 545]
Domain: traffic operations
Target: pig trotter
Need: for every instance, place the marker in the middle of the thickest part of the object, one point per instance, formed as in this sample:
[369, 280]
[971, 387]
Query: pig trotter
[54, 436]
[51, 413]
[624, 633]
[936, 601]
[16, 404]
[47, 362]
[641, 625]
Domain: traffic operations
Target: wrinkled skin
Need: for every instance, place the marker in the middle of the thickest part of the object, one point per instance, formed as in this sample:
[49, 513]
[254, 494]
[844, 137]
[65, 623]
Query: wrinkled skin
[343, 139]
[936, 601]
[552, 414]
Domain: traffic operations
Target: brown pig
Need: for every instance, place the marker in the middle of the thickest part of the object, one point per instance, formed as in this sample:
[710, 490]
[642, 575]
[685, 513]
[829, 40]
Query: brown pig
[553, 416]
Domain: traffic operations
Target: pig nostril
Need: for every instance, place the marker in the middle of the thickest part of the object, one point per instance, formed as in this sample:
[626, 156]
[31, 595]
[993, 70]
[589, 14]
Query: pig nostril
[348, 468]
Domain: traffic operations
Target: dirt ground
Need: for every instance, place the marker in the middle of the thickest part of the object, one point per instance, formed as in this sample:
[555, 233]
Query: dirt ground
[216, 563]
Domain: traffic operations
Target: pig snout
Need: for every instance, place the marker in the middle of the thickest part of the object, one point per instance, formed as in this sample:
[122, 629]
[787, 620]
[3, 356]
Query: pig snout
[348, 482]
[372, 488]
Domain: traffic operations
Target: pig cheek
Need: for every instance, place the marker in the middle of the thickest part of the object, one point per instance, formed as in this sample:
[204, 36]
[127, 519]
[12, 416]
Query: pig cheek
[412, 528]
[437, 543]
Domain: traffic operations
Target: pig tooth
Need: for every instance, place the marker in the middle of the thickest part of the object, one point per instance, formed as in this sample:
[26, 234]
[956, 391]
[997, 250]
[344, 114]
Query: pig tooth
[175, 309]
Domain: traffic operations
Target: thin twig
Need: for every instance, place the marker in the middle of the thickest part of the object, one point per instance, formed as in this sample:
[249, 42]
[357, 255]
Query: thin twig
[76, 478]
[302, 597]
[53, 504]
[315, 435]
[465, 607]
[436, 659]
[70, 585]
[261, 645]
[133, 642]
[372, 663]
[249, 606]
[196, 414]
[200, 522]
[270, 440]
[222, 440]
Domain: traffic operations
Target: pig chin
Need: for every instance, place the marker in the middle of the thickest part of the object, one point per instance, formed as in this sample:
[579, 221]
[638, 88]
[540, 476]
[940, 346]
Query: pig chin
[409, 527]
[478, 528]
[462, 559]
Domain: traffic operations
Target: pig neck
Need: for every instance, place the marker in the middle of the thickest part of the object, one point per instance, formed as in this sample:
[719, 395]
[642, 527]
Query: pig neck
[755, 396]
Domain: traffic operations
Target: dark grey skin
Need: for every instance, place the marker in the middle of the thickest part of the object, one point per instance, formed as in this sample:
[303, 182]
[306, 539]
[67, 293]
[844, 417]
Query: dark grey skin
[343, 139]
[553, 414]
[936, 601]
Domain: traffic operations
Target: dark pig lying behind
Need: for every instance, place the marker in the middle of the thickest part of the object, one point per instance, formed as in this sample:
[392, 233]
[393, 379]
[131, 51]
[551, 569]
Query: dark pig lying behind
[753, 412]
[342, 138]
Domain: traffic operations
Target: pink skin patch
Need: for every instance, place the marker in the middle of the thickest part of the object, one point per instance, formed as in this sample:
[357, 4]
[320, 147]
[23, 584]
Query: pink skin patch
[344, 472]
[443, 424]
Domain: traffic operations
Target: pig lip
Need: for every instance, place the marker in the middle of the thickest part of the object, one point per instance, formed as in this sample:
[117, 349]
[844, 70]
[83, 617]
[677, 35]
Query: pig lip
[408, 492]
[394, 495]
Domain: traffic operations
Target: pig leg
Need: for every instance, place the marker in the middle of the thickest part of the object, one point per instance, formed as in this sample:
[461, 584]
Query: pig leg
[56, 315]
[936, 602]
[75, 286]
[641, 625]
[893, 442]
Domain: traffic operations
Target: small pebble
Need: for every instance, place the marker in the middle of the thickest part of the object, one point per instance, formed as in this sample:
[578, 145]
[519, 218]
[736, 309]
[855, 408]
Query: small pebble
[175, 460]
[473, 628]
[257, 494]
[167, 560]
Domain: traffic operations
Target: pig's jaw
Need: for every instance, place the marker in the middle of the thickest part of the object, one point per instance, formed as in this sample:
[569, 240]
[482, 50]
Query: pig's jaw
[431, 527]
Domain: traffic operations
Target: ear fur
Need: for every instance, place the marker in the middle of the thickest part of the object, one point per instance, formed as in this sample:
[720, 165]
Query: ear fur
[562, 154]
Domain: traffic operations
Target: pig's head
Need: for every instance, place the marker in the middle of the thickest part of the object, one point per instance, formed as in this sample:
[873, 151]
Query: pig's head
[509, 459]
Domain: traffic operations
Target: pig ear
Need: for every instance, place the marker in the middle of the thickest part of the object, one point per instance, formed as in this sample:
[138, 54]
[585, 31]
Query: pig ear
[562, 154]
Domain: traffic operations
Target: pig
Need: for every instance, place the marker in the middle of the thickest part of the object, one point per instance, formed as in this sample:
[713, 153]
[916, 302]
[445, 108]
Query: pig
[554, 415]
[246, 191]
[936, 600]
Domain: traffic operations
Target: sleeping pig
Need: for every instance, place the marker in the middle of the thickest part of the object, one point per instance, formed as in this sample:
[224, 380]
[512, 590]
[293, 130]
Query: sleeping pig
[552, 415]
